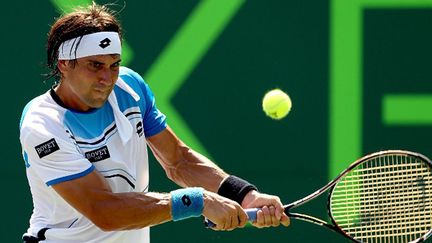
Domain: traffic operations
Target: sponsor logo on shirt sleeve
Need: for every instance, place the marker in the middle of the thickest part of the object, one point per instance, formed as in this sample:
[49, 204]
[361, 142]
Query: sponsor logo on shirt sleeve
[47, 148]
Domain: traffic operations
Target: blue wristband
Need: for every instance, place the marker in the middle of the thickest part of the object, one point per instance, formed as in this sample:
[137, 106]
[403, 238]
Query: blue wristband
[187, 203]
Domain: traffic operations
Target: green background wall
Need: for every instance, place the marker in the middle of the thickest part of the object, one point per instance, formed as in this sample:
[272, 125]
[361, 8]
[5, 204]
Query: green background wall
[209, 63]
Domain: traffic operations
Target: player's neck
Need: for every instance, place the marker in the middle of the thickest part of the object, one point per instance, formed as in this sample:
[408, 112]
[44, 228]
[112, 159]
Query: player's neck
[69, 99]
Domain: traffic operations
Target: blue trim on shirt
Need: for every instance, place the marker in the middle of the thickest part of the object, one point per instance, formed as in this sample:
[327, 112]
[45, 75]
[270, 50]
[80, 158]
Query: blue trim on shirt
[24, 112]
[71, 177]
[25, 156]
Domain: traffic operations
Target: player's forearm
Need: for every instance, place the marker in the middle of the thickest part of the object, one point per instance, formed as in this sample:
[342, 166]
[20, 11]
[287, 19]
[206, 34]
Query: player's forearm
[194, 169]
[183, 165]
[124, 211]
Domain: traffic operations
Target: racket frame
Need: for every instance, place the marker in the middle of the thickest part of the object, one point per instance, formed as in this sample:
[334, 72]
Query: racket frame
[331, 185]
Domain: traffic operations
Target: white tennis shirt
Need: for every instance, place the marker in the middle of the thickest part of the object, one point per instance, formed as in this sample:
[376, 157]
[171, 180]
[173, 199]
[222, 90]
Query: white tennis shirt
[60, 144]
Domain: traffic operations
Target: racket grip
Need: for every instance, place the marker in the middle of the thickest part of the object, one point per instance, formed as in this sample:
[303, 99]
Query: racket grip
[251, 213]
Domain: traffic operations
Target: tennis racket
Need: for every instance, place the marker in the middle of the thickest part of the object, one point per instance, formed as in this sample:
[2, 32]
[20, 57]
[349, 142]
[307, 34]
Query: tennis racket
[382, 197]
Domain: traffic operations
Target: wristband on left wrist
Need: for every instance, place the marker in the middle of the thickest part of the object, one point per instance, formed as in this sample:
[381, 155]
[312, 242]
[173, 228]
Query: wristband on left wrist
[235, 188]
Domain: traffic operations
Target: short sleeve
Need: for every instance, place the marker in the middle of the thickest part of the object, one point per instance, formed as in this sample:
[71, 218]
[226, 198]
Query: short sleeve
[51, 153]
[154, 120]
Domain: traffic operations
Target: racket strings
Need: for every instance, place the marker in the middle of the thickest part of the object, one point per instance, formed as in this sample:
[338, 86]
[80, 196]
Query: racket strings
[385, 199]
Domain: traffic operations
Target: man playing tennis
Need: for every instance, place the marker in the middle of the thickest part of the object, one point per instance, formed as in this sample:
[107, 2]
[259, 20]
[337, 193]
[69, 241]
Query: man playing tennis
[84, 143]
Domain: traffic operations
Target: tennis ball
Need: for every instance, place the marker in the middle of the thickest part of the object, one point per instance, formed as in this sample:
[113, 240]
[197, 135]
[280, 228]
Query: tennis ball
[276, 104]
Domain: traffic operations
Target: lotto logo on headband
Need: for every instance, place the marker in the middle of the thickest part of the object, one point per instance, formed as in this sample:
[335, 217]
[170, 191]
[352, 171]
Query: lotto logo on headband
[88, 45]
[104, 43]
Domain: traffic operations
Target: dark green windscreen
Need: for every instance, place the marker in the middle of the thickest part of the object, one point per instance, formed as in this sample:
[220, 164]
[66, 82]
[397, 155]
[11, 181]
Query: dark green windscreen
[346, 66]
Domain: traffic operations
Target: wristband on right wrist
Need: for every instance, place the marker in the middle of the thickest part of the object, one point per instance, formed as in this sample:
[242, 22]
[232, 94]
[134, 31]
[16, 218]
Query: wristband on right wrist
[187, 202]
[235, 188]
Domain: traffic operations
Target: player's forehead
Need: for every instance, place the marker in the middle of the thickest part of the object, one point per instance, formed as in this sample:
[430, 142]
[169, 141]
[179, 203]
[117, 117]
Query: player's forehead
[107, 58]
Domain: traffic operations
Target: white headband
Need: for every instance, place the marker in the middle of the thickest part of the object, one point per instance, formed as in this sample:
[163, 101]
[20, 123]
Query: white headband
[99, 43]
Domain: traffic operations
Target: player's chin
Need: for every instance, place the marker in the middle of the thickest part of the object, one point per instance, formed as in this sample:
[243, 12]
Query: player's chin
[99, 99]
[98, 102]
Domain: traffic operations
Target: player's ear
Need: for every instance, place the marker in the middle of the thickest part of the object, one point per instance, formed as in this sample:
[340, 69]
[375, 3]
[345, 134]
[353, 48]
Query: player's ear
[63, 66]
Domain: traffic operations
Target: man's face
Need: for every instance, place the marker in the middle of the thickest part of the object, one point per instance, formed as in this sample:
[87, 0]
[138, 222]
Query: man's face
[89, 82]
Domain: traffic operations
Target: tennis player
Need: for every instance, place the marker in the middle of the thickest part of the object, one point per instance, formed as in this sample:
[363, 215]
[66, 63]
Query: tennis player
[84, 143]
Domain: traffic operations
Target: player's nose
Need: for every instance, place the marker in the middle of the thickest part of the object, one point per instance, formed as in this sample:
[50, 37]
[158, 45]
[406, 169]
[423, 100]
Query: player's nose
[106, 77]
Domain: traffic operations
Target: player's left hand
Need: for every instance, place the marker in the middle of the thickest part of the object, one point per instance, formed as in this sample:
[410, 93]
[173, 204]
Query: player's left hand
[272, 211]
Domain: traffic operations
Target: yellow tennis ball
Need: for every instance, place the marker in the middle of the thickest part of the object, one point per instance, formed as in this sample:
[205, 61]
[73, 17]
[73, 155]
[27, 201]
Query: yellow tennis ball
[276, 104]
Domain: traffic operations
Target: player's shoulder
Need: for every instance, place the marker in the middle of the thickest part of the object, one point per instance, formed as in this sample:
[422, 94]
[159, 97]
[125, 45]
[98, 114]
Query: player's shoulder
[134, 80]
[126, 71]
[129, 75]
[39, 114]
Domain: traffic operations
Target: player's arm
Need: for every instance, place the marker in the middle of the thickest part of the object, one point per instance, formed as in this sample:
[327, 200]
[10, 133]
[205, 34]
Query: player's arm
[182, 164]
[92, 196]
[188, 168]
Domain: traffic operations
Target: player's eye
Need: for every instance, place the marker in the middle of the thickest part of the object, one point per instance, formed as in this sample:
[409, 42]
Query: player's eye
[96, 65]
[115, 66]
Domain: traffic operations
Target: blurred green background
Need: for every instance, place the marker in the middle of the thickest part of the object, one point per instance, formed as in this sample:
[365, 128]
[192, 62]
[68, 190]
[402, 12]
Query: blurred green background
[358, 73]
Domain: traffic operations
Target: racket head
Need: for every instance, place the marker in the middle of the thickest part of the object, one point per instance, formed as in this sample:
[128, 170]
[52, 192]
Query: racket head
[384, 197]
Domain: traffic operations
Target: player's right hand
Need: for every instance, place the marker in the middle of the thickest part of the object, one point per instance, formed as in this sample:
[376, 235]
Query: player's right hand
[225, 213]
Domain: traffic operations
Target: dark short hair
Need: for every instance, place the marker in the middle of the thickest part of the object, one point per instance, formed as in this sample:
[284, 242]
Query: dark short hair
[82, 21]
